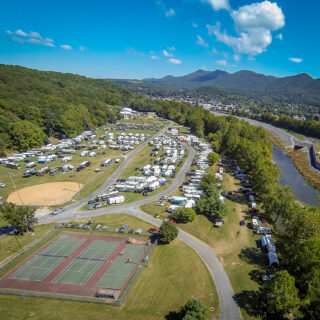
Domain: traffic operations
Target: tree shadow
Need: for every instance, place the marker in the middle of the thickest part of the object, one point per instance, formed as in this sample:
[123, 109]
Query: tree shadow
[253, 256]
[238, 197]
[173, 315]
[250, 301]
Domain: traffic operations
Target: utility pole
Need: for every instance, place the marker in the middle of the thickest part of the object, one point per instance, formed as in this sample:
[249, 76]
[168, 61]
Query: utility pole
[78, 183]
[10, 174]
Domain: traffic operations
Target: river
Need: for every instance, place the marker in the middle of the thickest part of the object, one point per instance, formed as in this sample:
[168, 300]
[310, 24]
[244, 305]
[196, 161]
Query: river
[291, 176]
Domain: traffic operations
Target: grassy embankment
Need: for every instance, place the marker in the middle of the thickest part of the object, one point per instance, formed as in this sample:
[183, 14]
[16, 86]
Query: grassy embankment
[175, 274]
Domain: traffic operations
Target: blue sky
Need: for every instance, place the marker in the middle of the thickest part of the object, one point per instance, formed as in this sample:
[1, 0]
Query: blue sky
[153, 38]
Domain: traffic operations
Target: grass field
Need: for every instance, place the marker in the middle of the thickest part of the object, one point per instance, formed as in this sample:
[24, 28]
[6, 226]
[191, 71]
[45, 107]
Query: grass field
[9, 245]
[172, 269]
[116, 220]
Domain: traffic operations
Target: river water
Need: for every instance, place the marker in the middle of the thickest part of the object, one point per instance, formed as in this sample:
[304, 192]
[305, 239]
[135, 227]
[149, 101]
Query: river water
[291, 176]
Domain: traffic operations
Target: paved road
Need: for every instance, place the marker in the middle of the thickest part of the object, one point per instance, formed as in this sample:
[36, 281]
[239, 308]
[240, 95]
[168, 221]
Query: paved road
[228, 307]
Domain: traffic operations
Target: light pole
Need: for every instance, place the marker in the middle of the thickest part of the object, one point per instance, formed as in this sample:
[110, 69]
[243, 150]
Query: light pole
[78, 183]
[10, 174]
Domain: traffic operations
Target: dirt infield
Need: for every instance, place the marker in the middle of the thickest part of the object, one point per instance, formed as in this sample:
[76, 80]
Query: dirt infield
[47, 194]
[48, 282]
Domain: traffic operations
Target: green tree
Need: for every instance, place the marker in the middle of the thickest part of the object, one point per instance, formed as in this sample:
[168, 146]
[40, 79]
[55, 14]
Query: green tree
[21, 217]
[24, 135]
[279, 201]
[184, 215]
[194, 309]
[213, 158]
[210, 203]
[280, 296]
[168, 232]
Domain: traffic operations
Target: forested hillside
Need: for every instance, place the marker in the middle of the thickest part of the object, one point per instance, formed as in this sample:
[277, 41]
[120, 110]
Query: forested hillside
[35, 105]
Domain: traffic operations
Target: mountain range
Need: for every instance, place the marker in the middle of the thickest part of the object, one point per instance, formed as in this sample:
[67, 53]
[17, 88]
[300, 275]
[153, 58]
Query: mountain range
[243, 80]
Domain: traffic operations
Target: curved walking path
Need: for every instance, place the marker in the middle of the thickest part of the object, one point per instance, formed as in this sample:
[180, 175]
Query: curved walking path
[228, 307]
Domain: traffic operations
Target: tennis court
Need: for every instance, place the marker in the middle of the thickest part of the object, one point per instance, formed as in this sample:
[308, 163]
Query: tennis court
[45, 261]
[121, 268]
[87, 263]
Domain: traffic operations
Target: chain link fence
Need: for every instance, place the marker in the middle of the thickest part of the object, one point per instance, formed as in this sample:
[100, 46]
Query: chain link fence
[17, 258]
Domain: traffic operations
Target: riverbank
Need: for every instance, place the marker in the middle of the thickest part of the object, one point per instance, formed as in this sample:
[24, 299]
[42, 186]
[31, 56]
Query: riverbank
[300, 159]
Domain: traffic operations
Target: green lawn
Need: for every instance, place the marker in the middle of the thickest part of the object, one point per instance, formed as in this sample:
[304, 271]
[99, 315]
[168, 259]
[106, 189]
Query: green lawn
[116, 220]
[9, 245]
[97, 180]
[141, 159]
[174, 275]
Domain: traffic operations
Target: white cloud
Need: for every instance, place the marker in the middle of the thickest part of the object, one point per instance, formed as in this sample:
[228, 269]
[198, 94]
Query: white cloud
[296, 60]
[265, 15]
[221, 62]
[135, 52]
[82, 48]
[167, 54]
[21, 33]
[195, 25]
[279, 36]
[214, 50]
[175, 61]
[66, 47]
[170, 13]
[201, 42]
[154, 57]
[219, 4]
[172, 48]
[31, 37]
[236, 57]
[254, 24]
[167, 12]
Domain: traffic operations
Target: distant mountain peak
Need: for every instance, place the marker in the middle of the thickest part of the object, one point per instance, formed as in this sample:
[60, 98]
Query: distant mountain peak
[242, 79]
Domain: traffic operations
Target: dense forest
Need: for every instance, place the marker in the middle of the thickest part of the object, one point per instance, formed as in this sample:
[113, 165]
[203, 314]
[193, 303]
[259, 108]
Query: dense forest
[35, 105]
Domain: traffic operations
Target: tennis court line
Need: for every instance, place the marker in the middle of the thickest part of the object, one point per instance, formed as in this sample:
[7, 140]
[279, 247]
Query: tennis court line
[96, 254]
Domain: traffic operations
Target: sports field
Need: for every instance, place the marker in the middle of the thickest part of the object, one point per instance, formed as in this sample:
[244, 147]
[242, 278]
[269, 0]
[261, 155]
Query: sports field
[78, 264]
[44, 262]
[120, 270]
[87, 263]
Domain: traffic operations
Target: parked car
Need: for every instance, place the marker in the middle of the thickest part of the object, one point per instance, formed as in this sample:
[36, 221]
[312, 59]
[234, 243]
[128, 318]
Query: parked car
[56, 211]
[90, 206]
[242, 223]
[157, 215]
[153, 230]
[138, 231]
[123, 228]
[159, 203]
[2, 185]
